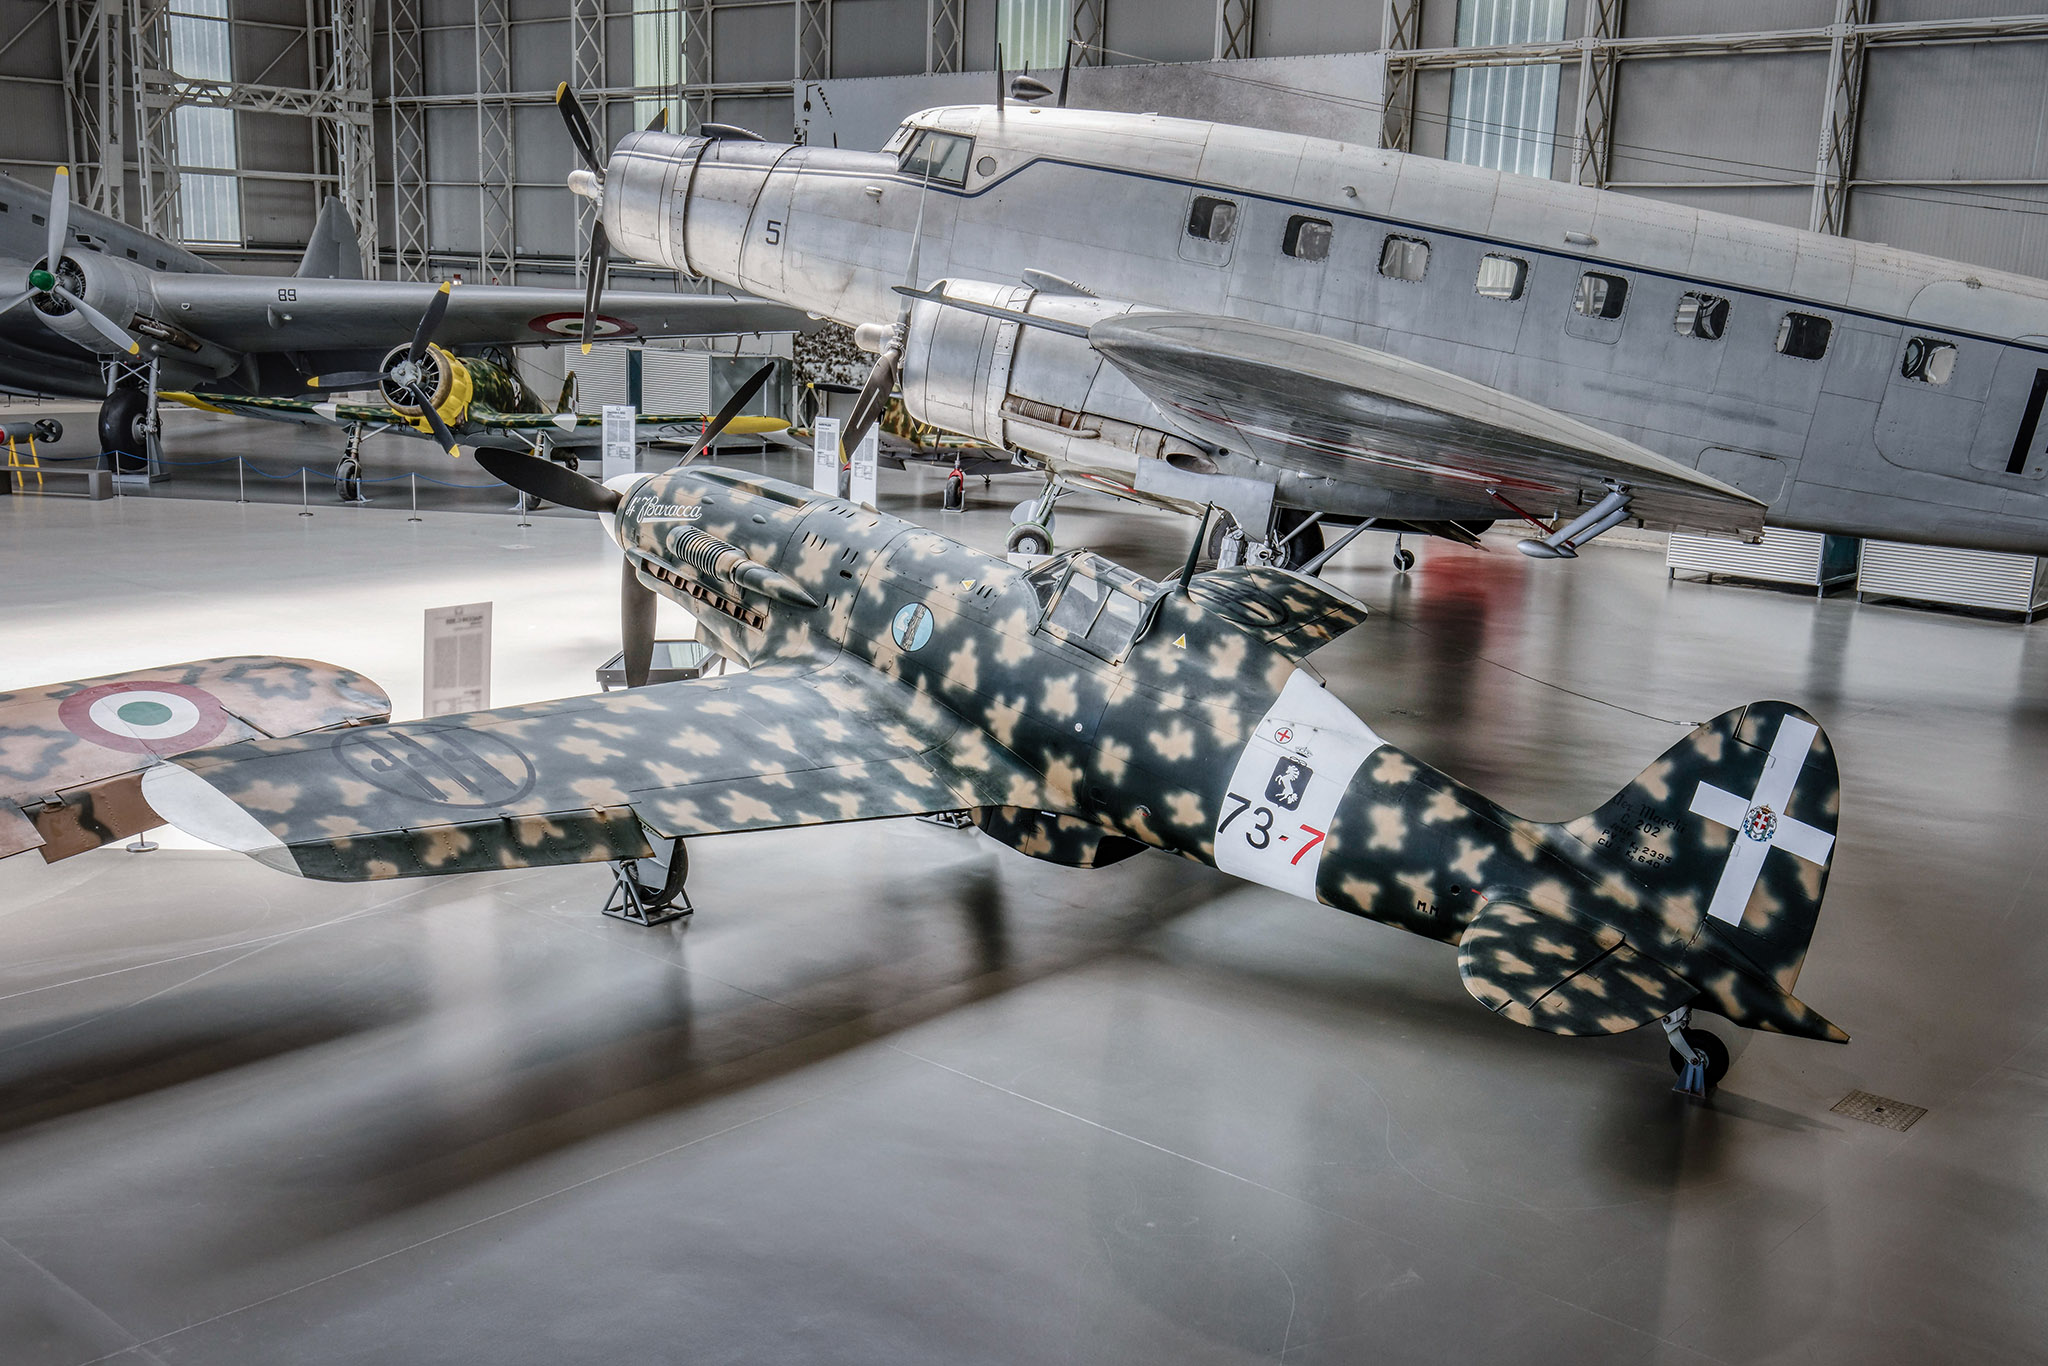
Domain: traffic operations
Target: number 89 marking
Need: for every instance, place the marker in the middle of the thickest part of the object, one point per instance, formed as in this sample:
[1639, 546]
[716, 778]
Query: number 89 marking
[1260, 835]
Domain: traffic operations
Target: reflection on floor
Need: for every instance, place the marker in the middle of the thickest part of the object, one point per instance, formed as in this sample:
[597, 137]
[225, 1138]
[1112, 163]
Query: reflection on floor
[900, 1095]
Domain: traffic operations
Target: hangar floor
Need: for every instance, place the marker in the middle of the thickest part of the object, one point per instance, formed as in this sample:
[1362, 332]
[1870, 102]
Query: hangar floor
[900, 1095]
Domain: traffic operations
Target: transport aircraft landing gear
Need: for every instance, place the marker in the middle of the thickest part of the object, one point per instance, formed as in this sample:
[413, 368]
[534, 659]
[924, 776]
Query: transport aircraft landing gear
[635, 901]
[1404, 558]
[1697, 1055]
[1032, 534]
[1295, 538]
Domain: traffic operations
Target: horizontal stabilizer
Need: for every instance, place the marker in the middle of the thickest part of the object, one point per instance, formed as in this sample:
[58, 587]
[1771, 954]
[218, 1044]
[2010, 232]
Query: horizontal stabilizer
[1291, 612]
[1542, 969]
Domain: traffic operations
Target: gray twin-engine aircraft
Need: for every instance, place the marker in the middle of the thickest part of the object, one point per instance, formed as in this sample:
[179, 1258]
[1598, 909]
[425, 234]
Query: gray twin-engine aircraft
[1081, 714]
[1149, 303]
[94, 289]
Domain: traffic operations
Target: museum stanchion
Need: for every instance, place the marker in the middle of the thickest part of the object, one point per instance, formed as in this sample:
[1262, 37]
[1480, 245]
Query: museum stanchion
[241, 480]
[633, 900]
[414, 479]
[305, 501]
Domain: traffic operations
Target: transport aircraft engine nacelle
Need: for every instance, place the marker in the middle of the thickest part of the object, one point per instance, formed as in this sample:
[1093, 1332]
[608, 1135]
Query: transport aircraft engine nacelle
[648, 191]
[1047, 392]
[121, 291]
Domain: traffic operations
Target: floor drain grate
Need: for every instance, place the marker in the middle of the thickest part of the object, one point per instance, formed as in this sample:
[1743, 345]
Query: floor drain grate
[1880, 1110]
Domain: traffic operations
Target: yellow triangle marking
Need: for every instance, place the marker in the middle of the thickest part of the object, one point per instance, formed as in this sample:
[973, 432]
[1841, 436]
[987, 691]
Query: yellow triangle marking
[1180, 642]
[967, 583]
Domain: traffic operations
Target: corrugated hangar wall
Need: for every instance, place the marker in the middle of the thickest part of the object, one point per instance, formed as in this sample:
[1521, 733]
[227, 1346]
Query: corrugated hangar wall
[1716, 103]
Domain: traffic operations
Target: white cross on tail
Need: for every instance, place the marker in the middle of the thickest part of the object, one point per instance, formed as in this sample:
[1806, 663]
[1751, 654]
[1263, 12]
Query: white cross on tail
[1772, 828]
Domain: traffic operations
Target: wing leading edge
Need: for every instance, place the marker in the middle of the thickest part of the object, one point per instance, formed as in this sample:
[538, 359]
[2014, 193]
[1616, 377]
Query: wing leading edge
[1326, 407]
[588, 779]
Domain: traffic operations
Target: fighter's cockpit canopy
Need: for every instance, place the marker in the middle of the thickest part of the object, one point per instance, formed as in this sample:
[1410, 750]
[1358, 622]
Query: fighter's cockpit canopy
[1092, 602]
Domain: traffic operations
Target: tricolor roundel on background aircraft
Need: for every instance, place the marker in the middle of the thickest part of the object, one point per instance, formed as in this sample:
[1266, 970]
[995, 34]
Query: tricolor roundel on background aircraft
[143, 716]
[571, 325]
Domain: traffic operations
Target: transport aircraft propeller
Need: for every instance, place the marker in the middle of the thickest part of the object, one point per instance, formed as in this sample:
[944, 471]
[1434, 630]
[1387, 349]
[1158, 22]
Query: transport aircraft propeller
[46, 281]
[589, 182]
[412, 379]
[544, 479]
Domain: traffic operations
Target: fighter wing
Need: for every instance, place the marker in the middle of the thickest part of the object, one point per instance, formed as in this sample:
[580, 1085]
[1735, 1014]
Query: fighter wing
[289, 313]
[72, 754]
[323, 413]
[1327, 407]
[585, 779]
[587, 429]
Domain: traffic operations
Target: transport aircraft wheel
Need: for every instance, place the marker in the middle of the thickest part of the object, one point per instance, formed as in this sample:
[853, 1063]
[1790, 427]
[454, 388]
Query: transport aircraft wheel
[1404, 560]
[1304, 546]
[1029, 539]
[124, 426]
[1710, 1044]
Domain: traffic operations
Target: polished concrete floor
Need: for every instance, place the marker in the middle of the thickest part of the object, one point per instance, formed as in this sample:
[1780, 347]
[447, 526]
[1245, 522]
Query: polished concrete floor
[900, 1095]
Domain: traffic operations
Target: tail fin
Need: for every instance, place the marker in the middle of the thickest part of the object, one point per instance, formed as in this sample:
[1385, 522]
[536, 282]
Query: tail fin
[1708, 873]
[566, 402]
[332, 252]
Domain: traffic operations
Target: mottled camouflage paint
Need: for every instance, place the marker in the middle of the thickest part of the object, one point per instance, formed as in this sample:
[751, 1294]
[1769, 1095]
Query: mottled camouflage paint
[932, 677]
[63, 792]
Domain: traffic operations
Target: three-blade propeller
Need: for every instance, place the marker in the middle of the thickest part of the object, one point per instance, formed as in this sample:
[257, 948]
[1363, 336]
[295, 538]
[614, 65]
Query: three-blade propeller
[45, 280]
[544, 479]
[411, 376]
[591, 182]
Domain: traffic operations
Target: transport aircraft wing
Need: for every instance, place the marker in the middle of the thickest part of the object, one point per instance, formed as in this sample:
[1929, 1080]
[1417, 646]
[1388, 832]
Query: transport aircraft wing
[586, 779]
[1326, 407]
[72, 754]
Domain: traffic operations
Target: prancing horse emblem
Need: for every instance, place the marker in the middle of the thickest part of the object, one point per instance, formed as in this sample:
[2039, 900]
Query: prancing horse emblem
[1290, 780]
[1760, 823]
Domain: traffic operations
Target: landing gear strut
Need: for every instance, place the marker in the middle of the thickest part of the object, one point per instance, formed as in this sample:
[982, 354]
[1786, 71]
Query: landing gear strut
[1033, 533]
[1404, 558]
[348, 471]
[1697, 1055]
[635, 901]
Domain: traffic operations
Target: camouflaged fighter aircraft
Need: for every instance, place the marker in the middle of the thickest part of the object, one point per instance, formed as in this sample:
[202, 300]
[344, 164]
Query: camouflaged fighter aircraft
[1081, 714]
[433, 393]
[1365, 333]
[72, 754]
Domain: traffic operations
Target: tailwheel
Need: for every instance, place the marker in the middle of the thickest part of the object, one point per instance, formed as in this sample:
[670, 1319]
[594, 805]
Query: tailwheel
[1709, 1043]
[1404, 558]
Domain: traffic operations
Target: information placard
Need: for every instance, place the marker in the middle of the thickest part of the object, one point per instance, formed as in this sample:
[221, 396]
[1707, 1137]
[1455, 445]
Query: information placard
[619, 454]
[866, 457]
[825, 455]
[458, 661]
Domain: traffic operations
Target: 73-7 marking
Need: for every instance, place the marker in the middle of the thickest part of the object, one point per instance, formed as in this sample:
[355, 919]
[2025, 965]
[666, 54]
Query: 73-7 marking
[1258, 836]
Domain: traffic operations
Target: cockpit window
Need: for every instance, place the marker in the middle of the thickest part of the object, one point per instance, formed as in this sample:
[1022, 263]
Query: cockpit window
[1095, 603]
[941, 156]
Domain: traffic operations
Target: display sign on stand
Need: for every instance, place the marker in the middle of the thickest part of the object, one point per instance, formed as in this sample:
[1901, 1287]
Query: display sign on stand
[620, 456]
[825, 455]
[458, 664]
[866, 457]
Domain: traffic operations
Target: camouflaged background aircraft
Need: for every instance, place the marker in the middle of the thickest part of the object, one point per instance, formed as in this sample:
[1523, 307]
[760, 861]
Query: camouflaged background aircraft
[72, 754]
[1082, 715]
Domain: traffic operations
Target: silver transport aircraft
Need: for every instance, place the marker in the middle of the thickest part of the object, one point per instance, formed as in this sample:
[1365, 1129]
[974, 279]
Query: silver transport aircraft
[1282, 326]
[117, 292]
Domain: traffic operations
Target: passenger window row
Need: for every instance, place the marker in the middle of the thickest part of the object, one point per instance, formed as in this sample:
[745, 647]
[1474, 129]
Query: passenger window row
[1700, 315]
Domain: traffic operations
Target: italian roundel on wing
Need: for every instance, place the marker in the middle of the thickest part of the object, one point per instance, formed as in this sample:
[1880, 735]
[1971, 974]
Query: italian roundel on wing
[144, 716]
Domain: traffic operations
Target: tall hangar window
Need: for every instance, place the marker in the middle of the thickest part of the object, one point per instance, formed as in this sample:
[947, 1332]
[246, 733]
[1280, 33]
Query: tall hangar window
[1306, 239]
[1701, 315]
[1505, 117]
[1600, 296]
[657, 61]
[1212, 220]
[210, 206]
[1928, 360]
[1501, 277]
[1404, 258]
[942, 156]
[1804, 336]
[1031, 31]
